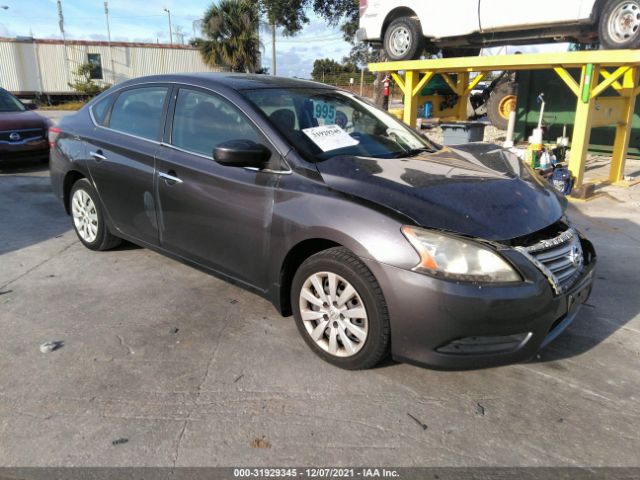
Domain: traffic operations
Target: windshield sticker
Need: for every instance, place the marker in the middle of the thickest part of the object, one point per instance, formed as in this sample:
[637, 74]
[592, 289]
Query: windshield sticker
[324, 111]
[330, 137]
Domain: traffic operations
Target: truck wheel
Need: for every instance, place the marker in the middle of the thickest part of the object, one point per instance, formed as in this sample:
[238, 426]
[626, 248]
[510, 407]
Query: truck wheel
[619, 26]
[403, 39]
[502, 100]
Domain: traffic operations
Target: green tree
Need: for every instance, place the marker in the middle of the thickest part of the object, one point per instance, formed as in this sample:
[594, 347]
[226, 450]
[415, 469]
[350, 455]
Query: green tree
[85, 84]
[327, 70]
[342, 13]
[287, 14]
[230, 28]
[346, 15]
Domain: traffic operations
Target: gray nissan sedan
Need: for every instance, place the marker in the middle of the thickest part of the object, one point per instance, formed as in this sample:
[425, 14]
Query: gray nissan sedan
[375, 239]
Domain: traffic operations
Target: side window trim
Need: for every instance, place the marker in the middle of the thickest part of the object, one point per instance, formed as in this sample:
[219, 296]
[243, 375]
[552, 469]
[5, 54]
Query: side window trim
[114, 97]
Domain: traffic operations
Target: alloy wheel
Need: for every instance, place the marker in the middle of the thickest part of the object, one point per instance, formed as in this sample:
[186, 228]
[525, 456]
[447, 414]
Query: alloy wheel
[85, 216]
[333, 314]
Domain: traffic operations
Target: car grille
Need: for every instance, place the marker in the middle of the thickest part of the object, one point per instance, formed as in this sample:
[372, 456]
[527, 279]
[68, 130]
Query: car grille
[25, 134]
[561, 259]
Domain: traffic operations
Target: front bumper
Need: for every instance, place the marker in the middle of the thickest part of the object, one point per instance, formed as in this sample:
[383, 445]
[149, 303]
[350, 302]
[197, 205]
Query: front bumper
[455, 325]
[37, 150]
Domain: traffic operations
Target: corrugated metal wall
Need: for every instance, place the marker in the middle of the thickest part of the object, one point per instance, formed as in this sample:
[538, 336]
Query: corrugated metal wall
[40, 67]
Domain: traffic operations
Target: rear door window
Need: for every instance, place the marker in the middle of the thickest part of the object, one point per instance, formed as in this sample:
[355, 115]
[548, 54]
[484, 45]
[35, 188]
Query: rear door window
[202, 121]
[138, 112]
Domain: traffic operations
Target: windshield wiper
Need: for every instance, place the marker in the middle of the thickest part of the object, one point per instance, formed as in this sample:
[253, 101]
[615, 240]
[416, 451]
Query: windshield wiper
[414, 152]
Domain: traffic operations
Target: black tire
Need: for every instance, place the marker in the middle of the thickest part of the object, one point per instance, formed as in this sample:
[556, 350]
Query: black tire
[104, 239]
[612, 37]
[498, 96]
[460, 52]
[416, 41]
[345, 264]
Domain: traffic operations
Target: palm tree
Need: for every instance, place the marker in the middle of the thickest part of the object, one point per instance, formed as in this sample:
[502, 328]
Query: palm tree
[230, 28]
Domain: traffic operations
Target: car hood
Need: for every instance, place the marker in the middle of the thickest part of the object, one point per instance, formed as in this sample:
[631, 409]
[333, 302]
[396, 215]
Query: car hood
[478, 190]
[21, 120]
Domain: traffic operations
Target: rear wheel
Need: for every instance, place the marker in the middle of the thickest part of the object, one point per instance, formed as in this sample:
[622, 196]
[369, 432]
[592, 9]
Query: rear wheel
[403, 39]
[619, 26]
[340, 310]
[88, 218]
[501, 102]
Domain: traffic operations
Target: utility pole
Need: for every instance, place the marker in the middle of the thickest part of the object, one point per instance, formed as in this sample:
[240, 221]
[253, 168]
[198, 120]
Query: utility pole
[64, 40]
[106, 14]
[273, 49]
[170, 29]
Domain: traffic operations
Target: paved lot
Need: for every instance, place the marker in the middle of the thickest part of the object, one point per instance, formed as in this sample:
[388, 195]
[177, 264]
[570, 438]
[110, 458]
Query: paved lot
[192, 371]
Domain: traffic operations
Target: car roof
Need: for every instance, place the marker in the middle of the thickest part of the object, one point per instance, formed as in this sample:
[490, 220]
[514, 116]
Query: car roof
[234, 81]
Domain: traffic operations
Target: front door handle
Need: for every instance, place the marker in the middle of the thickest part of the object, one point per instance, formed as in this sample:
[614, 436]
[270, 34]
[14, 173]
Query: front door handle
[170, 177]
[98, 156]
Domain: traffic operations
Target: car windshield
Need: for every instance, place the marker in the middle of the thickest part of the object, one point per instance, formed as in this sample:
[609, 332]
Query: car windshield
[9, 103]
[322, 124]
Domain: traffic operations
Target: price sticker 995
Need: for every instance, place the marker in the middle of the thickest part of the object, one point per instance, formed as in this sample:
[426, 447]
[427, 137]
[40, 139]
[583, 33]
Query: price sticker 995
[324, 111]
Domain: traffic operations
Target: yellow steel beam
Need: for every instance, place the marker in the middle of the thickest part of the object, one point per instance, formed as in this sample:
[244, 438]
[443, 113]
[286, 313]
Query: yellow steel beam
[583, 123]
[530, 61]
[463, 99]
[398, 79]
[410, 115]
[423, 81]
[568, 79]
[609, 80]
[623, 130]
[476, 81]
[606, 75]
[450, 82]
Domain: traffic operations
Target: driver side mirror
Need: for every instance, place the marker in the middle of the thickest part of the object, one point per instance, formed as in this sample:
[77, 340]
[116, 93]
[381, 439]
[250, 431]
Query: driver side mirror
[241, 153]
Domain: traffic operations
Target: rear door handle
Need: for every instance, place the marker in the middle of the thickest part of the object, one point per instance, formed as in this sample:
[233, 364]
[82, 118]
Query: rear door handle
[170, 177]
[98, 156]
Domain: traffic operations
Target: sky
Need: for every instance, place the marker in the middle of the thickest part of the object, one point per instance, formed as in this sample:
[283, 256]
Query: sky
[137, 21]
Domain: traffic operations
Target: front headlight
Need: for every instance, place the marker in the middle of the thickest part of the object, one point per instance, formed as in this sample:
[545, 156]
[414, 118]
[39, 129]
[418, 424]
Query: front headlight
[457, 258]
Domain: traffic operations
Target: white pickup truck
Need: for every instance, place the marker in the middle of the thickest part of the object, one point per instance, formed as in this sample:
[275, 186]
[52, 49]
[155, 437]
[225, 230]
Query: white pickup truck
[462, 27]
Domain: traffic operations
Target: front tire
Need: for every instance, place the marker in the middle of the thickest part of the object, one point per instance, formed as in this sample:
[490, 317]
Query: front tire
[619, 26]
[403, 39]
[88, 217]
[340, 310]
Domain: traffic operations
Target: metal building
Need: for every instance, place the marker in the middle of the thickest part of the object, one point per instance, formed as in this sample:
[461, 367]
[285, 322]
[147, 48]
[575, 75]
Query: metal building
[30, 67]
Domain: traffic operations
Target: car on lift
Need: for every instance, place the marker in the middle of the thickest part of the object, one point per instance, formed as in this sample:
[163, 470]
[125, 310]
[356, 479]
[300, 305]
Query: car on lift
[456, 28]
[462, 27]
[23, 133]
[374, 238]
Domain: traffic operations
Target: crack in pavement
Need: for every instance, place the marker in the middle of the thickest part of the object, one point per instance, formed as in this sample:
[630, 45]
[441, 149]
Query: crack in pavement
[211, 361]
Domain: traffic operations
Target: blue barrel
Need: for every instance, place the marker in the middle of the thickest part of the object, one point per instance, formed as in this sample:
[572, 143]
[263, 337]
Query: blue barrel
[428, 110]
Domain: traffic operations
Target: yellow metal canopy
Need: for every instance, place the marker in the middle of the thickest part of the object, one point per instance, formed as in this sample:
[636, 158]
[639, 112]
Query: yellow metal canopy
[600, 70]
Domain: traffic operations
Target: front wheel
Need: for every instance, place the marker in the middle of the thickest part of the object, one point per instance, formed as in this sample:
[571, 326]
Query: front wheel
[340, 310]
[403, 39]
[619, 26]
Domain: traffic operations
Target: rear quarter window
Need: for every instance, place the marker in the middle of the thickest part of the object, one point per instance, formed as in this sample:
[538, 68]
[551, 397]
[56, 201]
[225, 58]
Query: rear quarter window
[100, 110]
